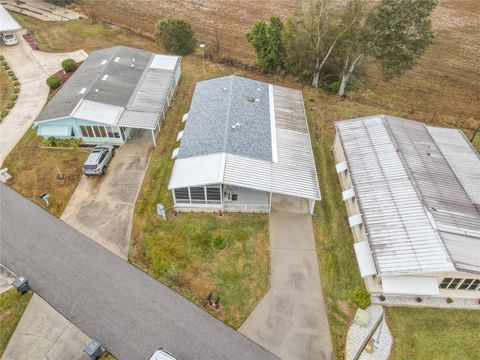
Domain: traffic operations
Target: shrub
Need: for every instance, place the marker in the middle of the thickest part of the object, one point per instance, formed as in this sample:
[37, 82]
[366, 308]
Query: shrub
[10, 105]
[449, 300]
[176, 36]
[10, 73]
[3, 113]
[334, 87]
[67, 143]
[16, 83]
[16, 90]
[219, 242]
[14, 78]
[382, 298]
[69, 65]
[361, 297]
[2, 58]
[53, 82]
[6, 66]
[13, 97]
[418, 299]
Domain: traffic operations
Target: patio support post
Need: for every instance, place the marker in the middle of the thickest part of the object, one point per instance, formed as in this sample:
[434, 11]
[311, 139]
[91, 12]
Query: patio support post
[153, 138]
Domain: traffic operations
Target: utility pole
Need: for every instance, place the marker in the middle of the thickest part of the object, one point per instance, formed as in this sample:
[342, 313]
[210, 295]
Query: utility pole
[202, 46]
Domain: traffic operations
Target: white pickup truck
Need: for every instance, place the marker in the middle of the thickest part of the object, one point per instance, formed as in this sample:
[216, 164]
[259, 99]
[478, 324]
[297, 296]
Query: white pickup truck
[162, 354]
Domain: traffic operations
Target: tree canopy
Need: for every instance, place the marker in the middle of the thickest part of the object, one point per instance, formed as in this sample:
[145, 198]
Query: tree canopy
[267, 40]
[176, 36]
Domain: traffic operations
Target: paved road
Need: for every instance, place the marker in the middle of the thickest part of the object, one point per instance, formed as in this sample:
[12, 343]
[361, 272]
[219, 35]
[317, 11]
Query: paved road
[291, 319]
[32, 69]
[109, 201]
[104, 296]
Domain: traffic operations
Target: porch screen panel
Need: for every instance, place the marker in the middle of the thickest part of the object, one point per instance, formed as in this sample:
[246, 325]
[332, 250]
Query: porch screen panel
[213, 195]
[197, 195]
[181, 196]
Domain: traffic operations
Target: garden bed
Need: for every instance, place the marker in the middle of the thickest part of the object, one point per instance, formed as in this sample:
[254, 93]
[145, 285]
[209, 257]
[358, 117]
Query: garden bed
[9, 88]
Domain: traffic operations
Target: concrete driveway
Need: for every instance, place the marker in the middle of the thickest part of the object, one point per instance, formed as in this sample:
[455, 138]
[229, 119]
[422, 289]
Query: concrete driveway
[32, 69]
[44, 334]
[102, 207]
[291, 319]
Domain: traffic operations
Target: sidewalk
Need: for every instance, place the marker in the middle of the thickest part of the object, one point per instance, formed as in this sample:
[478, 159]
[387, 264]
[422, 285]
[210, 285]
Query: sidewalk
[291, 319]
[32, 69]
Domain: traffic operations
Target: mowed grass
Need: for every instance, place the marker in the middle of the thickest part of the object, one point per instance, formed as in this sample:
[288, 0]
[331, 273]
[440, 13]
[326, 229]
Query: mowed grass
[178, 251]
[6, 89]
[440, 334]
[12, 306]
[35, 171]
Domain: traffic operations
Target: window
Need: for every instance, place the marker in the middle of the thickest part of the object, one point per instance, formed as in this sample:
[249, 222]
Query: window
[83, 129]
[444, 283]
[474, 285]
[454, 283]
[96, 131]
[90, 131]
[213, 195]
[465, 284]
[197, 194]
[181, 195]
[103, 133]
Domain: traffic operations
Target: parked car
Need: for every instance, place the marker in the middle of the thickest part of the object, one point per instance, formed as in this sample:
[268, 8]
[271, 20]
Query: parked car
[162, 354]
[97, 161]
[8, 38]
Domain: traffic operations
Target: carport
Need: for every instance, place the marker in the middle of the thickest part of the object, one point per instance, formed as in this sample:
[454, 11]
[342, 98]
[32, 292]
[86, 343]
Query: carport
[7, 22]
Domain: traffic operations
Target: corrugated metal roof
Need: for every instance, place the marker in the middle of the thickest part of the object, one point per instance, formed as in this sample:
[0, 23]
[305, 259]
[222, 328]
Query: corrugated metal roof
[399, 231]
[410, 197]
[462, 158]
[98, 112]
[293, 173]
[138, 119]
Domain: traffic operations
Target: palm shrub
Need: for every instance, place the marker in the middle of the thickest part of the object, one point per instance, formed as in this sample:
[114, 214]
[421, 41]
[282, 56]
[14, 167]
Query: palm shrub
[361, 297]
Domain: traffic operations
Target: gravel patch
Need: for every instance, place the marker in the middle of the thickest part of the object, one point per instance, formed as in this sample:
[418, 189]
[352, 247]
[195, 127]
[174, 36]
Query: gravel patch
[427, 301]
[358, 335]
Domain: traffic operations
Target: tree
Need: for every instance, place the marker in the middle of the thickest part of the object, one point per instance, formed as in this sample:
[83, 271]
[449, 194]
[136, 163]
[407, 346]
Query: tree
[313, 34]
[267, 40]
[176, 36]
[396, 33]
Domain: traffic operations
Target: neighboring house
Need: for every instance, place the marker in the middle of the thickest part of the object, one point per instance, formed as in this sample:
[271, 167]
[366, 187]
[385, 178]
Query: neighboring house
[113, 91]
[243, 141]
[412, 192]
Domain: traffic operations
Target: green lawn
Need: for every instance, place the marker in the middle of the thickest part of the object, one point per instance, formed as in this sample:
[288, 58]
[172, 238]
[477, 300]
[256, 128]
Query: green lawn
[12, 306]
[6, 89]
[440, 334]
[178, 251]
[34, 171]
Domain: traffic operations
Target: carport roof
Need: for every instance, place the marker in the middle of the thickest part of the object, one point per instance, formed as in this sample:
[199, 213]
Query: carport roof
[7, 22]
[136, 82]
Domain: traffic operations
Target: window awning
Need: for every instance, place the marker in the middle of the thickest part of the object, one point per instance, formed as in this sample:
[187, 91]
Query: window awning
[410, 285]
[365, 259]
[54, 130]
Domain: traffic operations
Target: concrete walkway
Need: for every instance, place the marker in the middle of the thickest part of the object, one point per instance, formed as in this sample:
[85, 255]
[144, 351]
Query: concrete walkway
[102, 207]
[128, 311]
[291, 319]
[41, 10]
[32, 69]
[44, 334]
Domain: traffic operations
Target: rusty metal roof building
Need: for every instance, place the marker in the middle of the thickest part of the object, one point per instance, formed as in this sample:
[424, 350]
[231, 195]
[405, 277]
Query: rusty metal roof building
[417, 193]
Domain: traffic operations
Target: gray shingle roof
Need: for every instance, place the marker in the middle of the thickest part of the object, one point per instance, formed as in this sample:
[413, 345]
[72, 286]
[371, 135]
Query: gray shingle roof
[116, 89]
[223, 118]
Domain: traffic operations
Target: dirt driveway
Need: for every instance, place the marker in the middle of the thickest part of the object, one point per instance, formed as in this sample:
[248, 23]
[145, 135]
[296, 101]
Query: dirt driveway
[102, 207]
[291, 320]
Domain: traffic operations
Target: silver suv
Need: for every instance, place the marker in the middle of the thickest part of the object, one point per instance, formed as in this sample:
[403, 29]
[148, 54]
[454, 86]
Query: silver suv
[97, 161]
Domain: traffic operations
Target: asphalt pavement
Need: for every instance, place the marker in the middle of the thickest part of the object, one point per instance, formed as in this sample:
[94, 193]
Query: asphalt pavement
[128, 311]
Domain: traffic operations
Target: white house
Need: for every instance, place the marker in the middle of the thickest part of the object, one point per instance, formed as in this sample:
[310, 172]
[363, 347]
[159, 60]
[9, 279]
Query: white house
[243, 140]
[412, 192]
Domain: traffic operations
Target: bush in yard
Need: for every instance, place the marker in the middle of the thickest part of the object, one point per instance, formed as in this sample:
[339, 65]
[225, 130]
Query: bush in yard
[219, 242]
[53, 82]
[65, 143]
[10, 73]
[16, 90]
[69, 65]
[361, 297]
[16, 83]
[3, 114]
[176, 36]
[13, 97]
